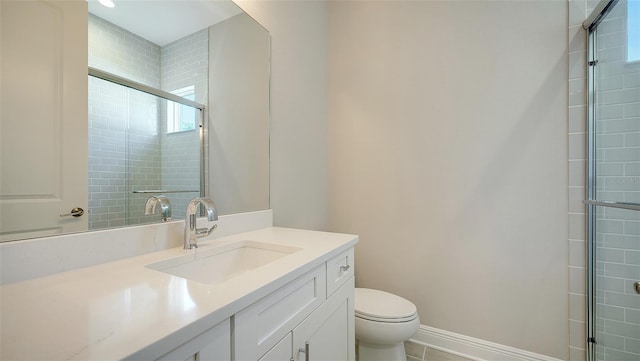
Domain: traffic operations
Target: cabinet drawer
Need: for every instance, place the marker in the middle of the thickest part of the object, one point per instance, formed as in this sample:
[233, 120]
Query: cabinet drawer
[260, 326]
[339, 270]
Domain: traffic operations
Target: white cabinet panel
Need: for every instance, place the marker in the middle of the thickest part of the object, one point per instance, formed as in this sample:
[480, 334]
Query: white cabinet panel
[261, 325]
[339, 269]
[328, 331]
[281, 351]
[212, 345]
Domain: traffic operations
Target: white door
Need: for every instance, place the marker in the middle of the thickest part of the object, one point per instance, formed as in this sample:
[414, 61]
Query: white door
[43, 117]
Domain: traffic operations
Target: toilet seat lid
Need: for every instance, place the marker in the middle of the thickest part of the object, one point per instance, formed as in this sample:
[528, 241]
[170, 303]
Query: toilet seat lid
[379, 305]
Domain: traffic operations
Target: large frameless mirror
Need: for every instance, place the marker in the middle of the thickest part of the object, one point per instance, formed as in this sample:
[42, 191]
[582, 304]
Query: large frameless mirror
[106, 144]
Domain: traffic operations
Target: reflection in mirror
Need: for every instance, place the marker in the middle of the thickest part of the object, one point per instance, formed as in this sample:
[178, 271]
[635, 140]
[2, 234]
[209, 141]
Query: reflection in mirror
[141, 145]
[132, 145]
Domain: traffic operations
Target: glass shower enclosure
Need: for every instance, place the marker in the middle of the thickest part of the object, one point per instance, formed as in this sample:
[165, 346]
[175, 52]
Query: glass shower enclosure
[613, 181]
[143, 142]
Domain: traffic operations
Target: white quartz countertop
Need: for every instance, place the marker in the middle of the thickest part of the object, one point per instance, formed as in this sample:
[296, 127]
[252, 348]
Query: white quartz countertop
[122, 309]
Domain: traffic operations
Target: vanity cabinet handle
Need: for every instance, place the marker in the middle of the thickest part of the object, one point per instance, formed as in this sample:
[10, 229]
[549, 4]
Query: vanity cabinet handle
[345, 268]
[305, 351]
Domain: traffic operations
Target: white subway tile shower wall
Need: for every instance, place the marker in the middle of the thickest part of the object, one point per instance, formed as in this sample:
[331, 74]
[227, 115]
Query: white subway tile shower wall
[115, 171]
[618, 230]
[155, 159]
[123, 53]
[618, 179]
[117, 127]
[185, 62]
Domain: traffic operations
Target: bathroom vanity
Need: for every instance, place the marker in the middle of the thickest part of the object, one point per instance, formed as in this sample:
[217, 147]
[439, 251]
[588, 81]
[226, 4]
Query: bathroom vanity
[275, 294]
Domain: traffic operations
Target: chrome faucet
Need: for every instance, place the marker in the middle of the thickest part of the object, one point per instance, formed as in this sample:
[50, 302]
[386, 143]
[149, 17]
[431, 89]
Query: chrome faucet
[165, 206]
[191, 231]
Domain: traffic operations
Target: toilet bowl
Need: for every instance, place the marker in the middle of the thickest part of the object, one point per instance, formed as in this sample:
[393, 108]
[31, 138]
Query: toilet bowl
[383, 321]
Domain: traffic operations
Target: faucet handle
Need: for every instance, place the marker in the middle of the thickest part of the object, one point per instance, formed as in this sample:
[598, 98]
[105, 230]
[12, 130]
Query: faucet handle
[203, 232]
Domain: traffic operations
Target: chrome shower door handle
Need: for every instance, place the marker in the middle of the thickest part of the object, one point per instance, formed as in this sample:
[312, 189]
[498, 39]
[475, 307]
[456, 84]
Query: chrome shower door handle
[76, 212]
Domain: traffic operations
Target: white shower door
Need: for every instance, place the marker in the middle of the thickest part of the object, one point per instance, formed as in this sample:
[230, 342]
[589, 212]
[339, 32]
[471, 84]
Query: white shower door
[43, 124]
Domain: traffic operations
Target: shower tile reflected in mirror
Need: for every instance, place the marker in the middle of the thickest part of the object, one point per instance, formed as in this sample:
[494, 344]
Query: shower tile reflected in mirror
[131, 155]
[139, 143]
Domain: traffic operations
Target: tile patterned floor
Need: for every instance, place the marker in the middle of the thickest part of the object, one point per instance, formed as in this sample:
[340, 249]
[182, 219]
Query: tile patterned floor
[418, 352]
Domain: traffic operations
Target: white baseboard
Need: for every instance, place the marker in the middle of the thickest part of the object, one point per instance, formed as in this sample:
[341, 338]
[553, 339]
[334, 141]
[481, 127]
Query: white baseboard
[473, 348]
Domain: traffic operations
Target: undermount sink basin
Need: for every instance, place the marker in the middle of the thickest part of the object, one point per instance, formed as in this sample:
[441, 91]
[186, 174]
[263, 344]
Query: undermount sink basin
[219, 264]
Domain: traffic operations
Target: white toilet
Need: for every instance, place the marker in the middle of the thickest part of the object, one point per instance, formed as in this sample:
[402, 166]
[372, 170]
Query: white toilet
[383, 322]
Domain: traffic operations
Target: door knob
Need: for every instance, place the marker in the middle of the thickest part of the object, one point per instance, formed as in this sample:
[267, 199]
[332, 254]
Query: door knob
[636, 286]
[76, 212]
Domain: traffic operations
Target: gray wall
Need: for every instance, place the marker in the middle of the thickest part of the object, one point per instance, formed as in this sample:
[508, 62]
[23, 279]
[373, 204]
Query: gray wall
[447, 153]
[239, 115]
[298, 129]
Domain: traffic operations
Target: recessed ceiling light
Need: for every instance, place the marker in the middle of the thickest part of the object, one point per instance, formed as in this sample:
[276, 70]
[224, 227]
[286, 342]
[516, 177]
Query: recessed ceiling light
[107, 3]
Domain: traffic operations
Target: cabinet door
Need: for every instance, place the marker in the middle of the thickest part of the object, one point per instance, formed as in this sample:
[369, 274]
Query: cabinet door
[212, 345]
[328, 333]
[280, 352]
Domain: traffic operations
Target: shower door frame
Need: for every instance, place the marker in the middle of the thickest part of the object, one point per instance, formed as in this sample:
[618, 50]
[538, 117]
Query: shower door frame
[590, 194]
[116, 79]
[591, 202]
[202, 124]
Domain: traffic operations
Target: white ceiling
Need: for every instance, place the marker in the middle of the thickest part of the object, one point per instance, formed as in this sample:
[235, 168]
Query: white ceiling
[164, 21]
